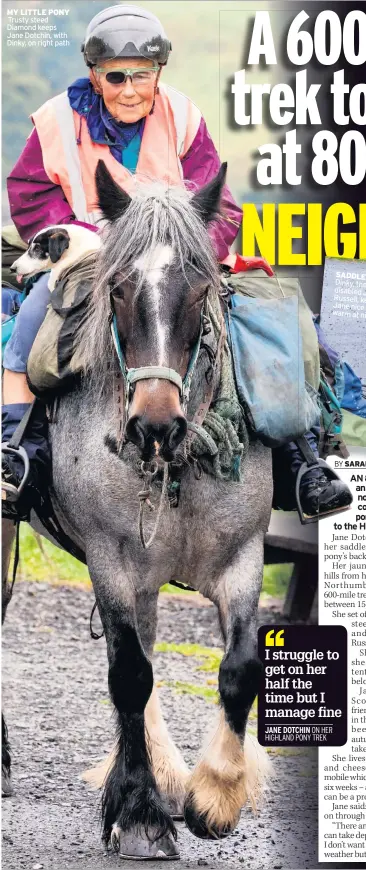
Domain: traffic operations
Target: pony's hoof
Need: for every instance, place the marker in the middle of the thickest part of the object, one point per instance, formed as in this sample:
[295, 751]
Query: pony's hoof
[199, 825]
[134, 845]
[6, 785]
[175, 807]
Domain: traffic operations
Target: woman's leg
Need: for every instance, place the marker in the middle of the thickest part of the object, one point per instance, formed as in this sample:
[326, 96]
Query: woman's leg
[17, 397]
[15, 388]
[31, 315]
[320, 494]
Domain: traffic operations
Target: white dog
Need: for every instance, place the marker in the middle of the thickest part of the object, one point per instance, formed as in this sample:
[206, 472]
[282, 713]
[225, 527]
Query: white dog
[57, 248]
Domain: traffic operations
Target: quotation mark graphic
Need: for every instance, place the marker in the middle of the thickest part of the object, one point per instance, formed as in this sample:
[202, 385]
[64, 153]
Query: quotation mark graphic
[273, 639]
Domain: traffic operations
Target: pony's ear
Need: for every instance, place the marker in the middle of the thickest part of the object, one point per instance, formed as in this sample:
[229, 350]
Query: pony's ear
[207, 201]
[58, 242]
[112, 200]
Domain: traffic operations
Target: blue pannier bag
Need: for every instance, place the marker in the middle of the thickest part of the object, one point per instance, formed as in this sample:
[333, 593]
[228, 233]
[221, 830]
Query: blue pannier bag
[266, 344]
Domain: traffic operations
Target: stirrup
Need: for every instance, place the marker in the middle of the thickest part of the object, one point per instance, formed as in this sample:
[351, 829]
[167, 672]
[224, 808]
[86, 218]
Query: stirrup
[332, 475]
[10, 492]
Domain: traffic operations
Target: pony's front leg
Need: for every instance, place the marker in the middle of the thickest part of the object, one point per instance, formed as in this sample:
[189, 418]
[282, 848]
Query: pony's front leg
[170, 771]
[169, 768]
[233, 767]
[135, 821]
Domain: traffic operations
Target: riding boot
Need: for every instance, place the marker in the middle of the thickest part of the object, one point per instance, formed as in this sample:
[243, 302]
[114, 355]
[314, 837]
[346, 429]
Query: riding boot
[35, 444]
[320, 491]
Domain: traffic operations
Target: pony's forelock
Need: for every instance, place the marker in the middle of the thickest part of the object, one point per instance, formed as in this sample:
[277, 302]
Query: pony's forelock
[157, 215]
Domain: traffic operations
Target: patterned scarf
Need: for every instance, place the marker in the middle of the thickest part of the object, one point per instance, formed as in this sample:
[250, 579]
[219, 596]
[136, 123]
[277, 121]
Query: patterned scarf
[103, 129]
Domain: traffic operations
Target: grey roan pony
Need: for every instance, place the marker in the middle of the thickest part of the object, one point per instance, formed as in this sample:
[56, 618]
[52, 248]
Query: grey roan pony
[156, 267]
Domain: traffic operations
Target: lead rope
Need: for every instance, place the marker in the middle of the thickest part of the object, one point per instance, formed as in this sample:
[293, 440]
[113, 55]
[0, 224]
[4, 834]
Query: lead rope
[16, 558]
[144, 496]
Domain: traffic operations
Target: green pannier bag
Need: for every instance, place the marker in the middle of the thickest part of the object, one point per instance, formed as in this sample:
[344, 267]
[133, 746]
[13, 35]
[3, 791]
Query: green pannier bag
[354, 429]
[55, 358]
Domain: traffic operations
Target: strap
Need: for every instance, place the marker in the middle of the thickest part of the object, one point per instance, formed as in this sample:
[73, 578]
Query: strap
[22, 427]
[146, 372]
[65, 120]
[342, 448]
[182, 586]
[16, 557]
[307, 452]
[187, 380]
[117, 344]
[49, 520]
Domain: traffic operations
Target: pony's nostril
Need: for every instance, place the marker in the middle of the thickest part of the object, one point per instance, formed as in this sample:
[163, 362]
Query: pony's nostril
[135, 432]
[152, 438]
[177, 432]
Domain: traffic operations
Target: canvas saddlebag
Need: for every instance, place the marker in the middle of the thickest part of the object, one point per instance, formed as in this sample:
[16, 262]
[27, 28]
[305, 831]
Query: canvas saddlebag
[275, 355]
[55, 358]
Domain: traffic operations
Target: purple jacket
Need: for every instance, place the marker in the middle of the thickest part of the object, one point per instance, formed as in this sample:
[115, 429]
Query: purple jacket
[36, 202]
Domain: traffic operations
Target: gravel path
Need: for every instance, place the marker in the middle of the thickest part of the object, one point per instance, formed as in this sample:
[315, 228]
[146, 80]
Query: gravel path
[56, 701]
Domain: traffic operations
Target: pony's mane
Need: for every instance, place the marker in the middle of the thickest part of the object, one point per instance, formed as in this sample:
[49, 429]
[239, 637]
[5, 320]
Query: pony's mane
[158, 214]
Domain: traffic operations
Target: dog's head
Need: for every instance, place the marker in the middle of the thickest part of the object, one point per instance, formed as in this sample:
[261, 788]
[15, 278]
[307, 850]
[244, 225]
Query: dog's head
[45, 249]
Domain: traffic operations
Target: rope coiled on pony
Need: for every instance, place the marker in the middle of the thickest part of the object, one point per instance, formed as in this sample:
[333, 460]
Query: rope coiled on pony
[222, 442]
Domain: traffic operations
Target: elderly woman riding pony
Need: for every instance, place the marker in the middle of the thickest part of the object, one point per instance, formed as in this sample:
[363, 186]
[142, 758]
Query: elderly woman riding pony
[123, 115]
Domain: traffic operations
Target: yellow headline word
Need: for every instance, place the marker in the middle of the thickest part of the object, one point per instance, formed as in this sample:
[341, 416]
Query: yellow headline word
[276, 231]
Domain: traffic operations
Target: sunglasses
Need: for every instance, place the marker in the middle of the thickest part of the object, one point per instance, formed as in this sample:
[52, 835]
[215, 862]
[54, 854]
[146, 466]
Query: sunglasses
[139, 76]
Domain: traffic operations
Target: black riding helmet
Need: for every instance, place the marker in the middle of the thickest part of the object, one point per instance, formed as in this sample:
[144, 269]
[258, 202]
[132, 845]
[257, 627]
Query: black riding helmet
[125, 31]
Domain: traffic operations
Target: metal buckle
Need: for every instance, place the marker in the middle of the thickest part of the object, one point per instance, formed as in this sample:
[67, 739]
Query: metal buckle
[332, 475]
[10, 492]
